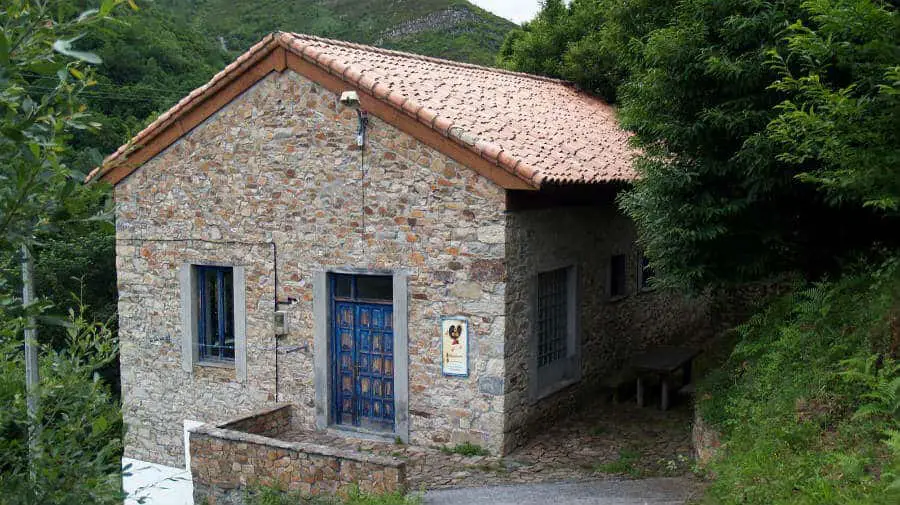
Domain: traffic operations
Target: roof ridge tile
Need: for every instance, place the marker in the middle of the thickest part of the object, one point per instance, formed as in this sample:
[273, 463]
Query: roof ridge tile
[430, 59]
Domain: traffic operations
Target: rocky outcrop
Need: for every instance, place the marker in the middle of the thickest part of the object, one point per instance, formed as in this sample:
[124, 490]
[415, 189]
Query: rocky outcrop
[448, 20]
[706, 441]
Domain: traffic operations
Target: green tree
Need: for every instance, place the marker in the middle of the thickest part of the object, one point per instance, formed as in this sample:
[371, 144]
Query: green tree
[729, 188]
[81, 435]
[593, 43]
[768, 130]
[840, 125]
[41, 74]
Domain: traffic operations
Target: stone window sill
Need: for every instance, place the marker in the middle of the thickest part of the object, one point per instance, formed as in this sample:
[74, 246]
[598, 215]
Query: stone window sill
[552, 389]
[216, 364]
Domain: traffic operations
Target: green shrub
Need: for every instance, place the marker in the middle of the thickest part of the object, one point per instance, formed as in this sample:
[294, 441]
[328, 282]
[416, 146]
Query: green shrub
[466, 449]
[79, 448]
[807, 402]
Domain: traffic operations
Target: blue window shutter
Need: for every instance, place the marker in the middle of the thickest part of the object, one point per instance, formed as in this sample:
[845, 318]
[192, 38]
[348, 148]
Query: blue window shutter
[240, 323]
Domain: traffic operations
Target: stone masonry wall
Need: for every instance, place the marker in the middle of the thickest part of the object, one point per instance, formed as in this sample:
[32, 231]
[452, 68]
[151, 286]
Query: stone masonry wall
[268, 422]
[611, 330]
[225, 462]
[158, 395]
[274, 182]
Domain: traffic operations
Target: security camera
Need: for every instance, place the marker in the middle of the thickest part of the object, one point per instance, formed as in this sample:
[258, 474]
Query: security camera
[350, 99]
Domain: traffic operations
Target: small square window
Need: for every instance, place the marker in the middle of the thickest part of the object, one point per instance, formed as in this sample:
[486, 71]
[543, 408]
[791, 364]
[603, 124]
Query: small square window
[645, 273]
[552, 316]
[375, 287]
[215, 313]
[618, 276]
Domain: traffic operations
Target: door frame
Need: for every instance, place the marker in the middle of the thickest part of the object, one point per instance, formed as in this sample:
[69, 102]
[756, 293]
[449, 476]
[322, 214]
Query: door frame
[323, 350]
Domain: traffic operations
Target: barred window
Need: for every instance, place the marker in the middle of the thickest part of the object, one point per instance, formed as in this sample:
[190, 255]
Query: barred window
[552, 316]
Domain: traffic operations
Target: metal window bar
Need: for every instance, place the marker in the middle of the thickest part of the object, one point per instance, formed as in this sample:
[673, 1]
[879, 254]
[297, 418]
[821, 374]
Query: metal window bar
[216, 314]
[552, 316]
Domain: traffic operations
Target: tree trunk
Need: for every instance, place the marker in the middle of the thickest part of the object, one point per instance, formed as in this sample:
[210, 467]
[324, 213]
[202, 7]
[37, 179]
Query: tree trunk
[32, 377]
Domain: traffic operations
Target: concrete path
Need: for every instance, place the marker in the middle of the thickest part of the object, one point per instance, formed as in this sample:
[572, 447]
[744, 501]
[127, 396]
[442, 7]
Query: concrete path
[152, 484]
[659, 491]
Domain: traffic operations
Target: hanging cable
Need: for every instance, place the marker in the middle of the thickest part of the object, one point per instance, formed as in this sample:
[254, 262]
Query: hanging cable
[361, 132]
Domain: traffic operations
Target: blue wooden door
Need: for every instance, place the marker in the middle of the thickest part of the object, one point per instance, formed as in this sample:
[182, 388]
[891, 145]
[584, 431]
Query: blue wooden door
[363, 337]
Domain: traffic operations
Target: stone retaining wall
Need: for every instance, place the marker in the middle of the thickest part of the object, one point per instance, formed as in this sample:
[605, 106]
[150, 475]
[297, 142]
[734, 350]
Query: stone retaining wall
[269, 422]
[225, 462]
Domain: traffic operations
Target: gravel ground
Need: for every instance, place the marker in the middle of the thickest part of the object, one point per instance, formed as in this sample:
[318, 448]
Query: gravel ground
[655, 491]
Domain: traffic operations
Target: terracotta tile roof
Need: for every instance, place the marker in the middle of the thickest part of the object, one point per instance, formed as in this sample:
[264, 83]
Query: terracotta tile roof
[540, 130]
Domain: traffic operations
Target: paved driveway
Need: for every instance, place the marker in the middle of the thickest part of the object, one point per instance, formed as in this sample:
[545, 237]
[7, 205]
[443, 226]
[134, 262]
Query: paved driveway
[658, 491]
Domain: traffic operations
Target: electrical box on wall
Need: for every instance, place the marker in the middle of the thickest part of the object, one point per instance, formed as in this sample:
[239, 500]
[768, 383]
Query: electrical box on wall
[281, 322]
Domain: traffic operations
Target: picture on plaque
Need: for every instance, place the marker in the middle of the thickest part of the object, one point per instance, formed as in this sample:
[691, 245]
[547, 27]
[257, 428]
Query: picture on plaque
[455, 346]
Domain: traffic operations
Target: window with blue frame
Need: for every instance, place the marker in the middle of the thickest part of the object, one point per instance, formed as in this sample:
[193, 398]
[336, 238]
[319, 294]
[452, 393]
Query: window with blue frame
[215, 313]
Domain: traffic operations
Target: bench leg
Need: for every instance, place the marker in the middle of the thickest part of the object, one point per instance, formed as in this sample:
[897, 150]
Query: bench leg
[640, 392]
[664, 395]
[688, 372]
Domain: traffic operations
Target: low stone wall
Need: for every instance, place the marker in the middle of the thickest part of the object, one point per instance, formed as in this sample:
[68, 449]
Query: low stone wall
[269, 422]
[225, 462]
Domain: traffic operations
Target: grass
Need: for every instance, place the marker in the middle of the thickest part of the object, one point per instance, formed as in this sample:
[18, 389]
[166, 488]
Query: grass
[466, 449]
[268, 495]
[808, 404]
[626, 464]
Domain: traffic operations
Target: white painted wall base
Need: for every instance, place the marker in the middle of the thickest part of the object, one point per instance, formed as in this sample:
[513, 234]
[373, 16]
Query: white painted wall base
[188, 425]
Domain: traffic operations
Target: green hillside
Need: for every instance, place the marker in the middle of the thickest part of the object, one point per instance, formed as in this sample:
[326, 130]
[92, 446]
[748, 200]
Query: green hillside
[158, 54]
[453, 29]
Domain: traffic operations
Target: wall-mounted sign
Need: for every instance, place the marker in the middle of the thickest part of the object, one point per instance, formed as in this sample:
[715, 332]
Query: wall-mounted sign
[455, 346]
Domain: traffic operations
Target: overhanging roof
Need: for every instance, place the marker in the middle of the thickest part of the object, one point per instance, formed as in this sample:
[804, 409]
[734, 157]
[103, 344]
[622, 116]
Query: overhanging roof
[520, 131]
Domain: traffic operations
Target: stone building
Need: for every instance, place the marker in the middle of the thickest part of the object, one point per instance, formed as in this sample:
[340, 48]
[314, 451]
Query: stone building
[436, 259]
